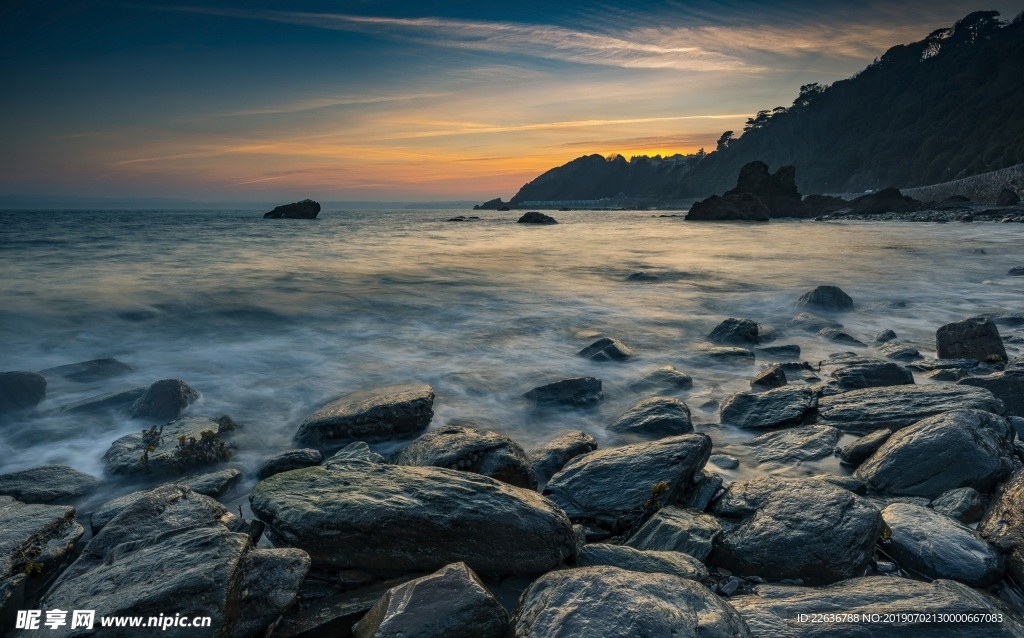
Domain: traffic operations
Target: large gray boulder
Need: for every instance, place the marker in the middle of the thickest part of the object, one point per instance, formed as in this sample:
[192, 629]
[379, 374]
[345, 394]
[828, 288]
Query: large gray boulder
[655, 416]
[768, 531]
[777, 610]
[1003, 525]
[212, 485]
[380, 414]
[450, 603]
[611, 486]
[480, 451]
[21, 390]
[1007, 386]
[975, 338]
[580, 392]
[48, 484]
[961, 448]
[964, 504]
[674, 529]
[772, 409]
[305, 209]
[173, 448]
[795, 445]
[648, 562]
[388, 518]
[871, 374]
[165, 399]
[598, 602]
[935, 545]
[894, 407]
[552, 456]
[826, 298]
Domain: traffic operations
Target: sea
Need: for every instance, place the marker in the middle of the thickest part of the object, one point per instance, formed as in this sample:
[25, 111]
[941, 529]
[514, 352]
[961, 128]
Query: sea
[269, 319]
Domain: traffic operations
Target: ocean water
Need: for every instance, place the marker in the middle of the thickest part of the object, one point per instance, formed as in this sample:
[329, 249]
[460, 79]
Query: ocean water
[269, 319]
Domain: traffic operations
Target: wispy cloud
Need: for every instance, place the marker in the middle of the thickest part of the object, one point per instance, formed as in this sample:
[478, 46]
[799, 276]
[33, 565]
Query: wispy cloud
[314, 104]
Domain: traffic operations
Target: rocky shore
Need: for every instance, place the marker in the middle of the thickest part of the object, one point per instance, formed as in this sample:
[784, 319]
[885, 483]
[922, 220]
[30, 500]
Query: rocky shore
[382, 522]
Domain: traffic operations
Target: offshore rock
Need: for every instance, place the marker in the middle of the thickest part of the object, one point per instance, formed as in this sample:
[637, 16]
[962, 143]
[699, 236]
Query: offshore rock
[306, 209]
[379, 414]
[831, 298]
[732, 331]
[165, 399]
[894, 407]
[533, 217]
[607, 349]
[551, 457]
[479, 451]
[744, 207]
[656, 416]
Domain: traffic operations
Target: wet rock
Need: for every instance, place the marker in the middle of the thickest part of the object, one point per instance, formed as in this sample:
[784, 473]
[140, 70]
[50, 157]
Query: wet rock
[165, 399]
[791, 351]
[450, 603]
[354, 453]
[47, 484]
[665, 379]
[703, 492]
[592, 602]
[643, 276]
[289, 460]
[725, 354]
[724, 461]
[1003, 524]
[812, 322]
[213, 484]
[388, 518]
[775, 408]
[21, 390]
[976, 338]
[947, 374]
[606, 349]
[838, 336]
[885, 336]
[935, 545]
[900, 351]
[106, 401]
[732, 331]
[856, 452]
[674, 529]
[1007, 197]
[89, 371]
[472, 450]
[767, 532]
[744, 207]
[551, 457]
[162, 450]
[646, 562]
[851, 483]
[894, 407]
[1008, 387]
[807, 443]
[305, 209]
[534, 217]
[964, 504]
[269, 584]
[1016, 271]
[612, 484]
[771, 377]
[961, 448]
[831, 298]
[578, 392]
[775, 610]
[380, 414]
[656, 416]
[872, 374]
[324, 611]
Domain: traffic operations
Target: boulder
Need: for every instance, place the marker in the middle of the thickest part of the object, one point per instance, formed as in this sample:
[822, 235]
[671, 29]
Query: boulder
[738, 332]
[602, 601]
[838, 336]
[1007, 197]
[885, 336]
[389, 518]
[664, 379]
[646, 562]
[873, 374]
[611, 486]
[777, 192]
[1007, 386]
[578, 392]
[778, 610]
[450, 603]
[655, 416]
[831, 298]
[725, 354]
[772, 409]
[1016, 271]
[306, 209]
[21, 390]
[165, 399]
[674, 529]
[47, 484]
[964, 504]
[936, 546]
[89, 371]
[767, 531]
[493, 204]
[811, 322]
[464, 448]
[856, 452]
[887, 200]
[744, 207]
[533, 217]
[900, 351]
[607, 349]
[1003, 524]
[551, 457]
[379, 414]
[212, 484]
[976, 338]
[894, 407]
[289, 460]
[960, 448]
[771, 377]
[184, 444]
[795, 445]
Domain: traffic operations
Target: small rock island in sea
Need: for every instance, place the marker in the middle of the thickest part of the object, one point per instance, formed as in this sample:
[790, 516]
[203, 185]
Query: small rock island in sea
[306, 209]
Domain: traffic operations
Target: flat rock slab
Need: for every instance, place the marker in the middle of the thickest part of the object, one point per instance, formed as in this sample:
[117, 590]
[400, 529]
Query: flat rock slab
[579, 392]
[781, 528]
[480, 451]
[961, 448]
[162, 450]
[389, 518]
[935, 545]
[380, 414]
[89, 371]
[863, 411]
[772, 409]
[655, 416]
[598, 602]
[1003, 524]
[807, 443]
[648, 562]
[673, 529]
[48, 484]
[551, 457]
[775, 610]
[450, 603]
[611, 484]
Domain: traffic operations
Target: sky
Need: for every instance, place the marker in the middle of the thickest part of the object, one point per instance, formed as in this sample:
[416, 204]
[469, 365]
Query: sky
[262, 100]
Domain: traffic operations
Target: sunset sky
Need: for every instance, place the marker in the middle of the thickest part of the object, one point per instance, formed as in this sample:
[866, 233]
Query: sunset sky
[390, 100]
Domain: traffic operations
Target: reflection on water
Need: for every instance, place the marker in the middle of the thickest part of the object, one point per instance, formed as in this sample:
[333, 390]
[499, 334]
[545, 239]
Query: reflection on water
[269, 318]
